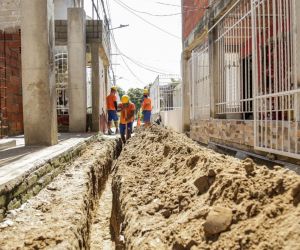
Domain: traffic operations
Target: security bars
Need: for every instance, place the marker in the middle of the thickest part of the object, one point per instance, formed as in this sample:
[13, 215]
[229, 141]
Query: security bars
[234, 47]
[166, 92]
[200, 90]
[61, 77]
[255, 46]
[276, 91]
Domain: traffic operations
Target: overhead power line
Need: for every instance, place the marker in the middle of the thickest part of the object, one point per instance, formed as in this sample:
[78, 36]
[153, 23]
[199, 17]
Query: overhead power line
[127, 66]
[143, 19]
[151, 14]
[186, 7]
[141, 65]
[137, 63]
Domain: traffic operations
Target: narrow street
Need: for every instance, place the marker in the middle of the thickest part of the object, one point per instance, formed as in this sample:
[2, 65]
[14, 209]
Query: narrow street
[150, 124]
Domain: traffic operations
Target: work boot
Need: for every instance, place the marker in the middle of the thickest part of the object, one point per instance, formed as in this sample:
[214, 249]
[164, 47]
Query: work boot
[123, 139]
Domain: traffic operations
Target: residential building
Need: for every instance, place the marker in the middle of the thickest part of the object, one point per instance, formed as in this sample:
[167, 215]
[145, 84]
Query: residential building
[240, 66]
[62, 51]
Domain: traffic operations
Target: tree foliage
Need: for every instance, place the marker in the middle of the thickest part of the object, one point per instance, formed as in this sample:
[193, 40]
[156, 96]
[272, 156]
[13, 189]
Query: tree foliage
[136, 96]
[120, 91]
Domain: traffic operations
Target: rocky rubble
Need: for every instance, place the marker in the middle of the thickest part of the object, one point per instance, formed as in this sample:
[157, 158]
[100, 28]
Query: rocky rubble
[171, 193]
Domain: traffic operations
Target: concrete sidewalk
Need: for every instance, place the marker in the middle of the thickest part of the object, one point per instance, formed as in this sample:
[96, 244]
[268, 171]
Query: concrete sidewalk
[7, 143]
[19, 159]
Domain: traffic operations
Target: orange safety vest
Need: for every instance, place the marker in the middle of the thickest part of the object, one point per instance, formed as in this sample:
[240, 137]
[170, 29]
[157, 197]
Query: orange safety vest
[110, 102]
[147, 104]
[125, 112]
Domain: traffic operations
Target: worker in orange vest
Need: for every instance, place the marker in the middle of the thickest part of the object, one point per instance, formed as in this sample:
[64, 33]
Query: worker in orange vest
[111, 105]
[147, 108]
[127, 109]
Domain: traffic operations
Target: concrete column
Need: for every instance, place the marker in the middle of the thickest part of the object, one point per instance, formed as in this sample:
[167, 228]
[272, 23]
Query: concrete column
[186, 104]
[77, 70]
[95, 87]
[214, 79]
[106, 80]
[38, 76]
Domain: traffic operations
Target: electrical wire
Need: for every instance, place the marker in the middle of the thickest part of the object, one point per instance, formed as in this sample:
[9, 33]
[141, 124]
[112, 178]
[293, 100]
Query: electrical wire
[127, 66]
[150, 14]
[118, 50]
[143, 19]
[145, 67]
[193, 8]
[141, 65]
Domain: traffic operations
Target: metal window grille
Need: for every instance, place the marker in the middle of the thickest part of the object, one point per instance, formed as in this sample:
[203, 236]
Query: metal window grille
[154, 94]
[234, 46]
[200, 90]
[61, 77]
[276, 92]
[166, 92]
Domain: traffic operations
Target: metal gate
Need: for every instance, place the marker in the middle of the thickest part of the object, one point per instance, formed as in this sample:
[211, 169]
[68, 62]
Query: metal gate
[276, 92]
[61, 79]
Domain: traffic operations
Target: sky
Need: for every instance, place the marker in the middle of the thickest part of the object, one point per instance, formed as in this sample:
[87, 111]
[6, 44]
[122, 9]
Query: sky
[143, 43]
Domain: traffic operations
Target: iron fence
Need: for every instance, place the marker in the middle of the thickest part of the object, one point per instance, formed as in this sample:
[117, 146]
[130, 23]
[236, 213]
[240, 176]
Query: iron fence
[166, 93]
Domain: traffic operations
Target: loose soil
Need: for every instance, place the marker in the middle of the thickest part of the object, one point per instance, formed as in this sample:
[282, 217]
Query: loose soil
[171, 193]
[60, 216]
[100, 229]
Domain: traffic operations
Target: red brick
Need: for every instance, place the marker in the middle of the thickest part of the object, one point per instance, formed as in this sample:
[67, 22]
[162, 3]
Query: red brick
[191, 18]
[16, 36]
[15, 80]
[12, 61]
[13, 44]
[19, 126]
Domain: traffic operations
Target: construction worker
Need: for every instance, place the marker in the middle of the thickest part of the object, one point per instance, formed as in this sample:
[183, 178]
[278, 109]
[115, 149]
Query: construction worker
[147, 108]
[127, 109]
[112, 106]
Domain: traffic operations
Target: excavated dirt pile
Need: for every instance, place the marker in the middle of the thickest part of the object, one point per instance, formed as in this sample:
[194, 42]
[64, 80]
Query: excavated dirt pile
[61, 215]
[170, 193]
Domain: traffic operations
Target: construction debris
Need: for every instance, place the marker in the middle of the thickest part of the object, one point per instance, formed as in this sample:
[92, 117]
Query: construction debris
[171, 193]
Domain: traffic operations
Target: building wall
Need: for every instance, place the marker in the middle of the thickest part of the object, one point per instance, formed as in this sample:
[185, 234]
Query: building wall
[61, 9]
[103, 87]
[234, 133]
[10, 63]
[9, 15]
[172, 119]
[193, 11]
[276, 129]
[240, 134]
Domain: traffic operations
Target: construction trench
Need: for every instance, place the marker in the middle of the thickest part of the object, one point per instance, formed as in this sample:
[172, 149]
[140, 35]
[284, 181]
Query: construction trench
[160, 191]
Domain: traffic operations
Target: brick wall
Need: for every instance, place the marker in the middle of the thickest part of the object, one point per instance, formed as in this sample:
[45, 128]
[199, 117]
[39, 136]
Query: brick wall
[193, 11]
[10, 56]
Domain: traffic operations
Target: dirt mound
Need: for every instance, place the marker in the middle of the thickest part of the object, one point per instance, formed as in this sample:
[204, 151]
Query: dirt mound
[60, 216]
[171, 193]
